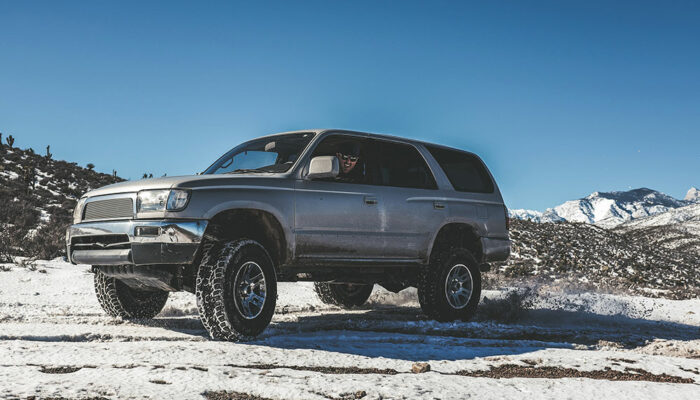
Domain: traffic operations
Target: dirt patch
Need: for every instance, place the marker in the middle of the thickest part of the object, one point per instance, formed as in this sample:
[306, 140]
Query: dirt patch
[323, 370]
[624, 360]
[692, 371]
[59, 370]
[181, 368]
[360, 394]
[222, 395]
[353, 396]
[64, 398]
[520, 371]
[126, 366]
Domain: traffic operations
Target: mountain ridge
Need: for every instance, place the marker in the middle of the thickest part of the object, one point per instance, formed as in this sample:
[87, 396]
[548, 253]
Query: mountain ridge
[610, 209]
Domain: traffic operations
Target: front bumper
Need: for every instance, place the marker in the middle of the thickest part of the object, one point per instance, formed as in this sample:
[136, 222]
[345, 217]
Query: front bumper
[495, 249]
[134, 242]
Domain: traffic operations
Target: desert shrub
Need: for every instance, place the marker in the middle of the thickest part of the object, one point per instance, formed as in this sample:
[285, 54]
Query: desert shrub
[22, 232]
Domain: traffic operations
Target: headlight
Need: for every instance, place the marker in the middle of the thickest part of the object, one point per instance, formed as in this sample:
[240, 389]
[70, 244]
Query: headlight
[162, 200]
[78, 212]
[151, 200]
[178, 199]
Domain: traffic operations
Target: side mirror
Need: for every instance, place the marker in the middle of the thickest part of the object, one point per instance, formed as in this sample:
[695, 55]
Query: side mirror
[323, 167]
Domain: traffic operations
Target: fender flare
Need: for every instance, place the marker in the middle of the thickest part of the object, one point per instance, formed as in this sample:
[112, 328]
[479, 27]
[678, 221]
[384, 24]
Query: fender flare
[474, 226]
[257, 206]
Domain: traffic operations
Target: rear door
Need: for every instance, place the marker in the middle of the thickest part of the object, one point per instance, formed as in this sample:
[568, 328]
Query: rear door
[410, 212]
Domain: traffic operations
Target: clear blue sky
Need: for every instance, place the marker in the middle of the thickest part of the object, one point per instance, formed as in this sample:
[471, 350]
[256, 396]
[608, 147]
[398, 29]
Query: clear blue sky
[560, 98]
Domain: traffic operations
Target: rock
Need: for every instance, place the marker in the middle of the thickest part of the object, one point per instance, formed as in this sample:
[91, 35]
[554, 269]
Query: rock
[420, 367]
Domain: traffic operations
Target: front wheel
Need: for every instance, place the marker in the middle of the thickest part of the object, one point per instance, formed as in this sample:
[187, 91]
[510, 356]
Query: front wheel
[122, 301]
[242, 289]
[346, 295]
[449, 287]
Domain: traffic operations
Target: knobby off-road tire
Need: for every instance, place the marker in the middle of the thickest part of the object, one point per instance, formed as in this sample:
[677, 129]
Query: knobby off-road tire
[346, 295]
[210, 251]
[122, 301]
[438, 281]
[242, 289]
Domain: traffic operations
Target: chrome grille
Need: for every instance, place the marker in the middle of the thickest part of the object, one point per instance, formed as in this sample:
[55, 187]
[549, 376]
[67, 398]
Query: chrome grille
[109, 209]
[101, 242]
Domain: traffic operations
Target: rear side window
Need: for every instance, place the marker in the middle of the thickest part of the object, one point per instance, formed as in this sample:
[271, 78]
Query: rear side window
[465, 172]
[401, 165]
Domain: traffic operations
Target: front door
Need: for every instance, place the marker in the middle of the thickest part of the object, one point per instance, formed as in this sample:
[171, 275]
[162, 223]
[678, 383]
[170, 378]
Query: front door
[335, 220]
[339, 218]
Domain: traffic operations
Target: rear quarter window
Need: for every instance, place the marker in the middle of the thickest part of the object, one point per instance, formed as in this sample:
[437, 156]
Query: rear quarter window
[465, 172]
[401, 165]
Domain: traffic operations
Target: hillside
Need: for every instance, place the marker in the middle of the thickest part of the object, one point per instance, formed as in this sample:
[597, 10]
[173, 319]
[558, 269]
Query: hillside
[37, 197]
[587, 255]
[677, 229]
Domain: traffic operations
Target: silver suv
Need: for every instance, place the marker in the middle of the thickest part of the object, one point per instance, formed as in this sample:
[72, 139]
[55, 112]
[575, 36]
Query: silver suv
[346, 210]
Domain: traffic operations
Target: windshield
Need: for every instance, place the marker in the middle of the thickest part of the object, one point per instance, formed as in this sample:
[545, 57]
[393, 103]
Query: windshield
[272, 154]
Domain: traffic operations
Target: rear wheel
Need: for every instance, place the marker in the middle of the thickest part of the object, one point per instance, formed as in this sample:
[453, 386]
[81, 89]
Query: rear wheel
[122, 301]
[449, 287]
[242, 291]
[346, 295]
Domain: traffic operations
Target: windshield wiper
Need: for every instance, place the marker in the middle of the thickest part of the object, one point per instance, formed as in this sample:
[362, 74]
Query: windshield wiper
[245, 170]
[273, 168]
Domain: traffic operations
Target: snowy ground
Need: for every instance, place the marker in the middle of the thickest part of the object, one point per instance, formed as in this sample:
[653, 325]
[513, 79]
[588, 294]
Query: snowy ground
[55, 342]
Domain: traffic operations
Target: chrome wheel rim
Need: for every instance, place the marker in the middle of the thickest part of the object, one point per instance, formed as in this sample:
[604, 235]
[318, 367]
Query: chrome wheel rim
[250, 290]
[459, 286]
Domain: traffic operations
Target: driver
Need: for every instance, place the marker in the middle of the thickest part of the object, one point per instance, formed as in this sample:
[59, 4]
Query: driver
[351, 166]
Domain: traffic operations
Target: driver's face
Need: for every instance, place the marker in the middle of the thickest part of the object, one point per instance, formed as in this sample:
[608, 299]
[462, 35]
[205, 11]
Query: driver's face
[347, 163]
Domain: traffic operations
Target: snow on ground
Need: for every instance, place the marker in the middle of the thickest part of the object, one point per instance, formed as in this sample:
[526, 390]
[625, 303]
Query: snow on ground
[55, 341]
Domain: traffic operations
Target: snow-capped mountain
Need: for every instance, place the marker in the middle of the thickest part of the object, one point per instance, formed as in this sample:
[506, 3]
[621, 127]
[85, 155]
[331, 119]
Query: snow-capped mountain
[609, 209]
[693, 195]
[535, 216]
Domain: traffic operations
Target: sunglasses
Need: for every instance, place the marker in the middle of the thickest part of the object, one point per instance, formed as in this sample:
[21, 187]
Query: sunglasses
[349, 158]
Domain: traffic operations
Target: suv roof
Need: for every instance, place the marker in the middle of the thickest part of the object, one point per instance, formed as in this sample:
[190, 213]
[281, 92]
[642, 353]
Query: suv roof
[374, 135]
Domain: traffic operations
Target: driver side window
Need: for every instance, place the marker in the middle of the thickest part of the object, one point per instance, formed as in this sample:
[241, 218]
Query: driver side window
[354, 155]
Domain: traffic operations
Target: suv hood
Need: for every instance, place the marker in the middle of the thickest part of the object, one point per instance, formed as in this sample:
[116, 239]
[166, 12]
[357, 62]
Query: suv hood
[186, 182]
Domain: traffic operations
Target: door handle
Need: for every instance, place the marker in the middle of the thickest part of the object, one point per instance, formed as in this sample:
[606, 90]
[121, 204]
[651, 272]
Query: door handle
[369, 200]
[438, 205]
